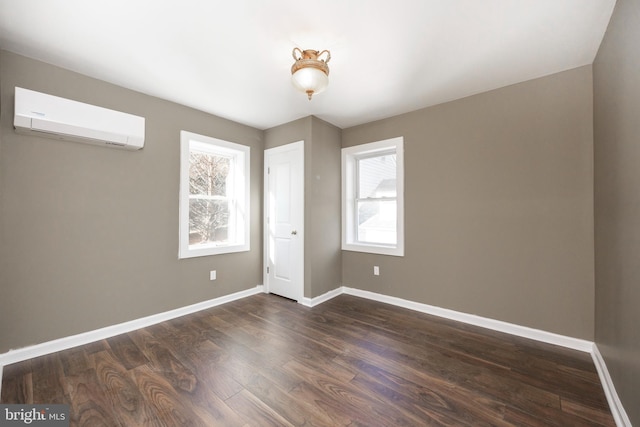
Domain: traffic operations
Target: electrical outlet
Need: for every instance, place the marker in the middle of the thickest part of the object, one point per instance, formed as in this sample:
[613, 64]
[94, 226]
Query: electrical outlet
[376, 270]
[212, 275]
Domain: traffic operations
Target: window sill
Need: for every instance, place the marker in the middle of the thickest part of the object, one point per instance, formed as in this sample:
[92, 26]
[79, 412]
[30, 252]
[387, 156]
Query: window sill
[374, 249]
[218, 250]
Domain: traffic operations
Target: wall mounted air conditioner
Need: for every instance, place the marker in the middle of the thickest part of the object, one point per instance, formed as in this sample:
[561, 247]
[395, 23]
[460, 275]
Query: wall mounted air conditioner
[54, 117]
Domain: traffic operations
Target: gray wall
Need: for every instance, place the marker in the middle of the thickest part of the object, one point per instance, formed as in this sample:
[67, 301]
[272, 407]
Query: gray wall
[617, 202]
[89, 235]
[322, 143]
[498, 206]
[322, 208]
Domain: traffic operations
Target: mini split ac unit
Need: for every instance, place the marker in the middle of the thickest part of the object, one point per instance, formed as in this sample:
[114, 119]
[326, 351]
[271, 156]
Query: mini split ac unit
[54, 117]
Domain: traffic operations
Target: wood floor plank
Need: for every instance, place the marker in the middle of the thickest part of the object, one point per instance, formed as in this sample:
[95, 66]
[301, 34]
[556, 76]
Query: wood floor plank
[265, 360]
[23, 390]
[207, 359]
[162, 360]
[438, 397]
[360, 401]
[256, 412]
[96, 347]
[496, 383]
[75, 361]
[89, 404]
[518, 417]
[297, 412]
[121, 391]
[586, 412]
[18, 385]
[127, 351]
[168, 406]
[47, 377]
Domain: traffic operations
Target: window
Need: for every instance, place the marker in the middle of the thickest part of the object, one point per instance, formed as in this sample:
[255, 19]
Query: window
[373, 197]
[214, 196]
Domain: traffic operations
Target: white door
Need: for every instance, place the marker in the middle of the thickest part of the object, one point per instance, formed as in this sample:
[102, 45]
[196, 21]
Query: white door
[284, 220]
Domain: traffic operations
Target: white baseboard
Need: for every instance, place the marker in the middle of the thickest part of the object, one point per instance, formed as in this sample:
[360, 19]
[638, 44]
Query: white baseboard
[14, 356]
[18, 355]
[312, 302]
[619, 414]
[617, 410]
[496, 325]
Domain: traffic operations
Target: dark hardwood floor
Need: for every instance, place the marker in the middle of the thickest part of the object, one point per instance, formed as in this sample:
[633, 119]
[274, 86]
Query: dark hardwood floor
[265, 360]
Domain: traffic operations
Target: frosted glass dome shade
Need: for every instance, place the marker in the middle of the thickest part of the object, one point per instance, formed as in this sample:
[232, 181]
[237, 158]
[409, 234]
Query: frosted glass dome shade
[310, 80]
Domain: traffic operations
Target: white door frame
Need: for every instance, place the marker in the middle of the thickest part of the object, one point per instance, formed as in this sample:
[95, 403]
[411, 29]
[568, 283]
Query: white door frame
[299, 145]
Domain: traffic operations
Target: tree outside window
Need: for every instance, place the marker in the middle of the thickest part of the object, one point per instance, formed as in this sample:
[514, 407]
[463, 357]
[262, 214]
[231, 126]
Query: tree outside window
[208, 199]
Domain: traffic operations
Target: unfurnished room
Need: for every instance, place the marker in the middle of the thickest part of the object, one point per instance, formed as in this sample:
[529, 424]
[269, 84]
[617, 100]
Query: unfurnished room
[337, 213]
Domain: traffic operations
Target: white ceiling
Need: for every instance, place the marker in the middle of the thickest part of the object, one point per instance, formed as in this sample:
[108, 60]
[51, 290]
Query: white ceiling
[232, 58]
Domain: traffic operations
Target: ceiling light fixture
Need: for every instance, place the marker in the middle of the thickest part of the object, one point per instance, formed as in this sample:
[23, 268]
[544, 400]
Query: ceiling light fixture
[309, 73]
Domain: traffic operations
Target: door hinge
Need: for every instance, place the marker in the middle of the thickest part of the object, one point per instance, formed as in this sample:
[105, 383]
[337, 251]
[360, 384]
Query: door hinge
[267, 270]
[268, 171]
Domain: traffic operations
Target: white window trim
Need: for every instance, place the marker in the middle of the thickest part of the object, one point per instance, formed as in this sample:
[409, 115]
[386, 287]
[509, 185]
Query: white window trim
[349, 157]
[242, 179]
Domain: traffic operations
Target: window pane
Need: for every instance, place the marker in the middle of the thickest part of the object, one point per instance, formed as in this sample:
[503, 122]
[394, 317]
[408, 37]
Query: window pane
[373, 197]
[377, 222]
[208, 174]
[377, 176]
[208, 221]
[214, 207]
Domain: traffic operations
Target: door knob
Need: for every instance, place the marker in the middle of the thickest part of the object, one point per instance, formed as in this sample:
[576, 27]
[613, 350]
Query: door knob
[294, 232]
